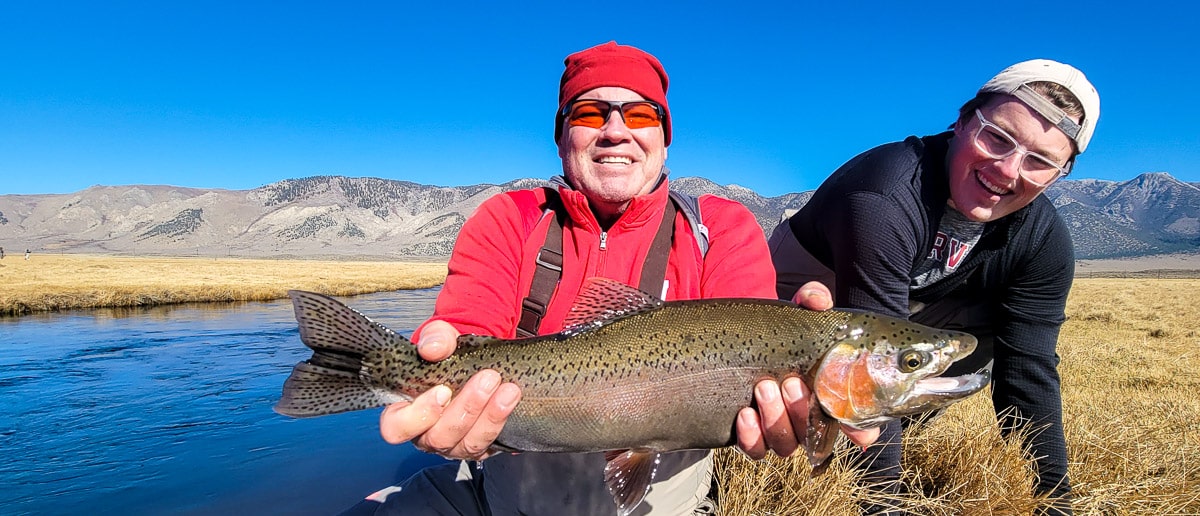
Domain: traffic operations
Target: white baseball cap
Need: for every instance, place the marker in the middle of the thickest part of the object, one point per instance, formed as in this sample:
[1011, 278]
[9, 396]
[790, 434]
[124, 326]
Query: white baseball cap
[1015, 80]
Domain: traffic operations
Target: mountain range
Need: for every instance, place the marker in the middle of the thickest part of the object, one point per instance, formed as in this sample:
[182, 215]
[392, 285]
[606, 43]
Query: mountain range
[364, 217]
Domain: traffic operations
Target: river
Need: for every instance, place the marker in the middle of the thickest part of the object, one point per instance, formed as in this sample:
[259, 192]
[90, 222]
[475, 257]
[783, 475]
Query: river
[167, 410]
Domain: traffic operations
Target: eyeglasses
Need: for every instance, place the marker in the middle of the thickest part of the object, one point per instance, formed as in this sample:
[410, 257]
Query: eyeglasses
[637, 114]
[998, 144]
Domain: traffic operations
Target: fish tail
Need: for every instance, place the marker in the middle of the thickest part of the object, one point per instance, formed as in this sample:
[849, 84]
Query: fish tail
[334, 379]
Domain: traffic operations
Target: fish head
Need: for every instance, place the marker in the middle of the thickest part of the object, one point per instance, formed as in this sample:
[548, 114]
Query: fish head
[881, 368]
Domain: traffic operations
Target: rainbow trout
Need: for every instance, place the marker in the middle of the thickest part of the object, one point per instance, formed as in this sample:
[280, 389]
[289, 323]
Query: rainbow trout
[635, 376]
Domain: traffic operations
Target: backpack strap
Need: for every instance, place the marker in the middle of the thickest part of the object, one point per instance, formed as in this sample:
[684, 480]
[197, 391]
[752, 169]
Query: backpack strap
[690, 206]
[549, 269]
[654, 270]
[550, 261]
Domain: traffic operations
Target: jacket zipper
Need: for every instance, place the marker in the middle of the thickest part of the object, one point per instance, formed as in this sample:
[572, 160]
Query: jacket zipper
[603, 254]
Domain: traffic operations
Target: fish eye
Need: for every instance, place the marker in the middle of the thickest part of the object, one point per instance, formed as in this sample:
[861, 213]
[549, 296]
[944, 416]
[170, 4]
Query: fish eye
[912, 360]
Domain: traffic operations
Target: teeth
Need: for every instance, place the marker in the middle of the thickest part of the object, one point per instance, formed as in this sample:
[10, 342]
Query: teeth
[615, 159]
[998, 190]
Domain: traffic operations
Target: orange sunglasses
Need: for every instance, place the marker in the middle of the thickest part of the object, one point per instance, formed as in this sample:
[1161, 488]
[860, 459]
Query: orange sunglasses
[637, 114]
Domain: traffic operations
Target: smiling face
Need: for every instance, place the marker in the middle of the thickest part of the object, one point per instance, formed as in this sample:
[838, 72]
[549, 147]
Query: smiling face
[983, 188]
[612, 164]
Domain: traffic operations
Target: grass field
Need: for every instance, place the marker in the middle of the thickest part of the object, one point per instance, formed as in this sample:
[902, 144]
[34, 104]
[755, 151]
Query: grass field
[60, 282]
[1130, 370]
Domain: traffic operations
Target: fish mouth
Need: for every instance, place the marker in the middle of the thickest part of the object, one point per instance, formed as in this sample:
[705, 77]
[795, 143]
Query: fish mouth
[942, 390]
[931, 394]
[951, 388]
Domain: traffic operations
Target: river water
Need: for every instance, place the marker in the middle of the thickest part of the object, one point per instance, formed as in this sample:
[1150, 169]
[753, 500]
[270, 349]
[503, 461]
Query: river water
[167, 410]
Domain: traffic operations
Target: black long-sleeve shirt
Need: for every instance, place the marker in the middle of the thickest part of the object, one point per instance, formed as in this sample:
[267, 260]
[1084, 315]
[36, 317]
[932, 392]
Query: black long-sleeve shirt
[876, 218]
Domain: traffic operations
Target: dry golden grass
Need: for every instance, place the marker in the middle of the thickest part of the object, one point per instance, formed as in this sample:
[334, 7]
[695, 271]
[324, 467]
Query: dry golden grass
[59, 282]
[1131, 391]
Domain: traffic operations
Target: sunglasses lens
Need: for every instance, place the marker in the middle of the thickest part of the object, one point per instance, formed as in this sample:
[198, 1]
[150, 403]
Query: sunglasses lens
[1039, 165]
[640, 115]
[588, 114]
[994, 142]
[1039, 170]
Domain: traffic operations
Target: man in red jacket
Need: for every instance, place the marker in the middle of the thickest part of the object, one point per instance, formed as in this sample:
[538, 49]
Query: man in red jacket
[613, 127]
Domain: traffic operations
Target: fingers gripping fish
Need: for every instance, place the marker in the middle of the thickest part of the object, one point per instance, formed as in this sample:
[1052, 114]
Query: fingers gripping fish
[635, 376]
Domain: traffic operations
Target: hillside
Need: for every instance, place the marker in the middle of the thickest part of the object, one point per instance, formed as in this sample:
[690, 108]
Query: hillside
[334, 216]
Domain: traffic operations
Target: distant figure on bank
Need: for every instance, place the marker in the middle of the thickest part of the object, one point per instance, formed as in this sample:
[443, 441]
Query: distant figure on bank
[1, 253]
[27, 254]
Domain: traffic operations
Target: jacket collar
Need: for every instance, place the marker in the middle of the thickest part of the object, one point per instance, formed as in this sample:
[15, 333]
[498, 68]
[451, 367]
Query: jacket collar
[643, 209]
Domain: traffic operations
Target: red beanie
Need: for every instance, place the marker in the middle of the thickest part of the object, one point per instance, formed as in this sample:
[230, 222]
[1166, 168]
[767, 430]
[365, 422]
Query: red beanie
[611, 64]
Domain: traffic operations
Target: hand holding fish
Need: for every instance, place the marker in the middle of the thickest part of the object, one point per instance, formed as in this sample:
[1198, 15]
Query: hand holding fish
[459, 427]
[782, 417]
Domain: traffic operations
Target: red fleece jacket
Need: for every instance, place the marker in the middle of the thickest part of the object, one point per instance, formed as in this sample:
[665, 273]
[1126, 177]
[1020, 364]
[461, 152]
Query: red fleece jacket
[492, 265]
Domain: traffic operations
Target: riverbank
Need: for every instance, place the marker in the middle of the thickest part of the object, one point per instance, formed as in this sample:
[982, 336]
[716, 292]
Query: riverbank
[49, 282]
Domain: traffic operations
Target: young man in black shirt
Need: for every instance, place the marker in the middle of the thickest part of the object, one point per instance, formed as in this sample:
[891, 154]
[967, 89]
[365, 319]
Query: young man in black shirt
[951, 230]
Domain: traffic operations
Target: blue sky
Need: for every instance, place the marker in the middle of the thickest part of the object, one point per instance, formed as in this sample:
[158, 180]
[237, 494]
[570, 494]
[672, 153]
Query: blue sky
[771, 96]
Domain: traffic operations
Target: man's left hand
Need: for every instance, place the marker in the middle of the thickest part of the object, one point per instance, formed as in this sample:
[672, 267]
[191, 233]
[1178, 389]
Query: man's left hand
[781, 420]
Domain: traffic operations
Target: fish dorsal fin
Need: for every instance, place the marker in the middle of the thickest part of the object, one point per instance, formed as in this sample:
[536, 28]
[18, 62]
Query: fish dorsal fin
[603, 300]
[628, 476]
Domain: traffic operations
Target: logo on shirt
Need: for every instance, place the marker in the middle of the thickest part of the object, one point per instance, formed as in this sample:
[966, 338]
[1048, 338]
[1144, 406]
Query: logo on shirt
[948, 250]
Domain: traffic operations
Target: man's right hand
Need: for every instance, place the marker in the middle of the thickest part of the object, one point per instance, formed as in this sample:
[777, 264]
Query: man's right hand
[455, 426]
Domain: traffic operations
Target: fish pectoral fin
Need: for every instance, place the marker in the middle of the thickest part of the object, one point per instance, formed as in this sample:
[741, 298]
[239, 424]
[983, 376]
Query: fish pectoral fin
[628, 476]
[821, 436]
